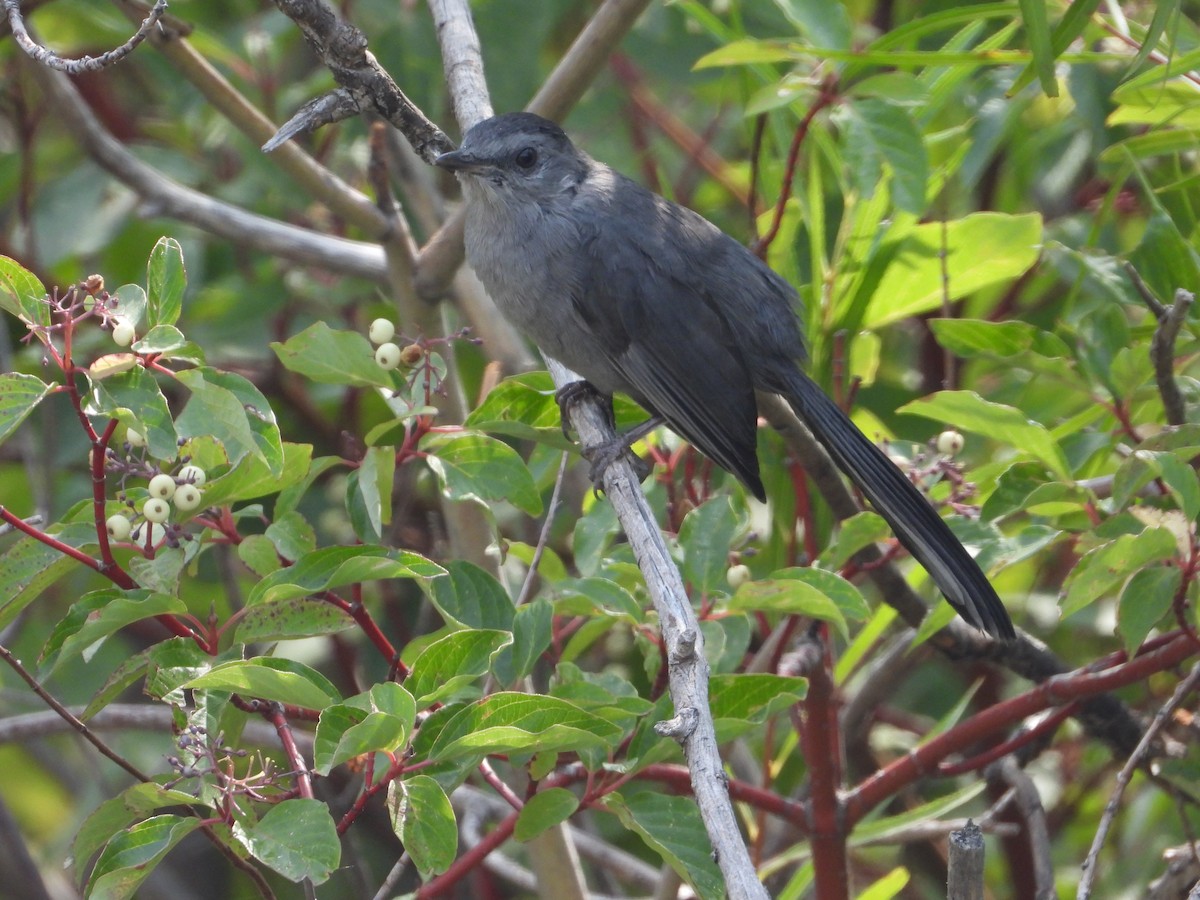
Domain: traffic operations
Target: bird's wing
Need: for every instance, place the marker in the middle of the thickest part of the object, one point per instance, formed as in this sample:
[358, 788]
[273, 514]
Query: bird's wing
[667, 334]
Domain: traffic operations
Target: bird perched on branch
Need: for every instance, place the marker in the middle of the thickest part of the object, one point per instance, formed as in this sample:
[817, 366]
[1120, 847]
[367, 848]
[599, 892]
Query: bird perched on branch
[640, 295]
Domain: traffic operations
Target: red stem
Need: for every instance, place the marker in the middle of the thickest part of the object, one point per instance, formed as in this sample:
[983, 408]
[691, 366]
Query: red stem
[1054, 691]
[821, 745]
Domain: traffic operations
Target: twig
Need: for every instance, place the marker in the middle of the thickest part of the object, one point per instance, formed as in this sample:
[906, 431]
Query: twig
[67, 716]
[1162, 345]
[1161, 718]
[544, 535]
[965, 871]
[52, 60]
[687, 668]
[1033, 813]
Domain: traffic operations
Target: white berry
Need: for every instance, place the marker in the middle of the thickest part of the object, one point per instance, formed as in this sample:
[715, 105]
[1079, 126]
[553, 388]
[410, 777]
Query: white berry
[193, 474]
[187, 497]
[737, 575]
[135, 438]
[118, 527]
[950, 443]
[388, 356]
[156, 510]
[381, 331]
[122, 332]
[154, 533]
[162, 486]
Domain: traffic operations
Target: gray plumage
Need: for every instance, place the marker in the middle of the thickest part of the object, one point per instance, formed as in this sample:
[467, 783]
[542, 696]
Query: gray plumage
[642, 296]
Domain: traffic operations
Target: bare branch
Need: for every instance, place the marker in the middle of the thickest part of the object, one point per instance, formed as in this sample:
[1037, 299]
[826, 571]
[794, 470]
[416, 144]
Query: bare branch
[52, 60]
[365, 84]
[1161, 718]
[164, 197]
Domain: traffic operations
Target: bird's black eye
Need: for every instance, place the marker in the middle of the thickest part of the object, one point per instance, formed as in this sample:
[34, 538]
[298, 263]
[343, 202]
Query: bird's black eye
[526, 158]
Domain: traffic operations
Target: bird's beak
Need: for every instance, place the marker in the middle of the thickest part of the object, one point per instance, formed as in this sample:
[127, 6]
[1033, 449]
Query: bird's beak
[457, 161]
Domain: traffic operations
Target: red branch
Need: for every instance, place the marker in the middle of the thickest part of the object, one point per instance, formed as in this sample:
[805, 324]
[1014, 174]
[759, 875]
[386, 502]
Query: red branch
[1053, 692]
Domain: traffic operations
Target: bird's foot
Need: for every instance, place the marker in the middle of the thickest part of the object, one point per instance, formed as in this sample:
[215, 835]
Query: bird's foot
[576, 391]
[603, 455]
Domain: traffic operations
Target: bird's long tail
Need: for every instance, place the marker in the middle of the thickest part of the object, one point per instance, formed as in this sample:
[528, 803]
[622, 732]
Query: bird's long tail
[914, 520]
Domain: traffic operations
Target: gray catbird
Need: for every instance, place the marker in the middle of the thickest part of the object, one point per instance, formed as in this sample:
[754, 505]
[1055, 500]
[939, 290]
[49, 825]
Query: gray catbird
[643, 296]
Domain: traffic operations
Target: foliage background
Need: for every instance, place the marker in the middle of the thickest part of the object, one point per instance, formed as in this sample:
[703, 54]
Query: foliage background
[1110, 174]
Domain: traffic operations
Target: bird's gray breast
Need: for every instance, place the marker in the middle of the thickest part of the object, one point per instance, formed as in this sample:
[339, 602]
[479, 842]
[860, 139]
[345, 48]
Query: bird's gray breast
[529, 258]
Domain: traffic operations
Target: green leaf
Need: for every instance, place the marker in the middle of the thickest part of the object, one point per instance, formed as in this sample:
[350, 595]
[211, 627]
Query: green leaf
[522, 407]
[22, 294]
[19, 396]
[470, 597]
[889, 886]
[1147, 598]
[369, 493]
[234, 411]
[796, 598]
[890, 133]
[380, 719]
[166, 278]
[296, 838]
[133, 853]
[115, 815]
[172, 663]
[967, 411]
[543, 811]
[423, 819]
[130, 303]
[858, 531]
[982, 250]
[739, 701]
[1112, 563]
[290, 620]
[1037, 29]
[445, 667]
[160, 339]
[749, 52]
[996, 340]
[706, 536]
[135, 398]
[258, 554]
[96, 616]
[252, 477]
[475, 466]
[672, 827]
[292, 535]
[28, 567]
[335, 357]
[334, 567]
[823, 24]
[522, 723]
[281, 680]
[532, 631]
[845, 595]
[1165, 258]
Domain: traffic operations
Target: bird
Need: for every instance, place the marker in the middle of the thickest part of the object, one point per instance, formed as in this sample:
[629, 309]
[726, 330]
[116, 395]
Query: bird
[645, 297]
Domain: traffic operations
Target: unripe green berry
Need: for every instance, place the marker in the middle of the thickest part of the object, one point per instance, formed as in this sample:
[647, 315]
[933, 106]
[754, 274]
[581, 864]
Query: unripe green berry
[388, 356]
[123, 333]
[135, 438]
[162, 486]
[193, 474]
[187, 497]
[381, 331]
[950, 443]
[118, 527]
[156, 510]
[737, 575]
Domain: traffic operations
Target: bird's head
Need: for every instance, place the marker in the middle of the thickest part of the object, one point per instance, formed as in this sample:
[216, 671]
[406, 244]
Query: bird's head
[517, 156]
